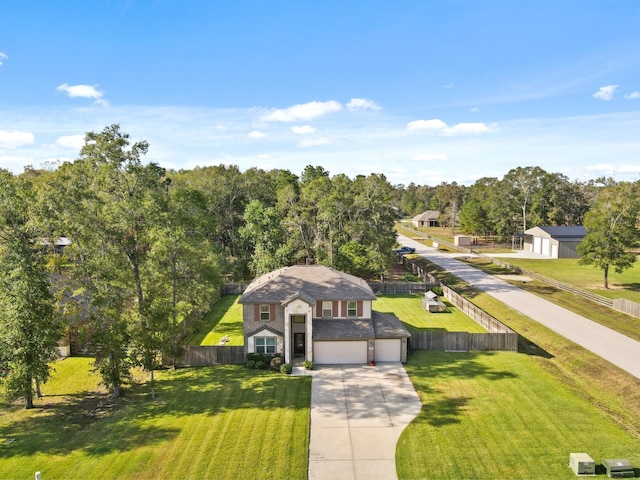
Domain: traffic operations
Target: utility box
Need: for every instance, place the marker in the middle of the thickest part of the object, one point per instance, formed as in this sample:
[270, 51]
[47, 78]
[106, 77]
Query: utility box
[618, 468]
[582, 464]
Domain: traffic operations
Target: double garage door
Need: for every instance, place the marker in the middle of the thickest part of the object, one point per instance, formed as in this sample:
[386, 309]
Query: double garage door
[328, 352]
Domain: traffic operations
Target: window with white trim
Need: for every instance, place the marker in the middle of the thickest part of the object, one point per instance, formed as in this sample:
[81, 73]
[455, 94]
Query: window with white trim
[352, 308]
[265, 345]
[327, 308]
[265, 313]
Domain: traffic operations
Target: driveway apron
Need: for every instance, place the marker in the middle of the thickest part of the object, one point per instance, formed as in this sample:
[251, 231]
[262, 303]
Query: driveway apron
[357, 415]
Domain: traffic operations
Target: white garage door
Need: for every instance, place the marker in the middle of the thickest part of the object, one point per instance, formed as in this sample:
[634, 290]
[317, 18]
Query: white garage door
[339, 352]
[388, 350]
[546, 247]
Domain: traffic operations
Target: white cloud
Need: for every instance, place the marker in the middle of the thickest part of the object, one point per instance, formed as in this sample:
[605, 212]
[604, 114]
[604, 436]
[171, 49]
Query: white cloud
[359, 104]
[83, 91]
[70, 142]
[305, 111]
[633, 95]
[15, 139]
[313, 142]
[448, 85]
[431, 157]
[629, 169]
[433, 124]
[3, 57]
[469, 129]
[257, 134]
[442, 128]
[303, 129]
[605, 93]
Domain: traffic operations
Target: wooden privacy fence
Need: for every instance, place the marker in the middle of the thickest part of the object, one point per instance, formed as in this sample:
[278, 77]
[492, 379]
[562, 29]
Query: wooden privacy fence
[463, 341]
[392, 288]
[199, 356]
[627, 306]
[478, 315]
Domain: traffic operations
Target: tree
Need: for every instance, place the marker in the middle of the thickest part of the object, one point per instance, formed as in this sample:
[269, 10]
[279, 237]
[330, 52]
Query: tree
[611, 230]
[29, 330]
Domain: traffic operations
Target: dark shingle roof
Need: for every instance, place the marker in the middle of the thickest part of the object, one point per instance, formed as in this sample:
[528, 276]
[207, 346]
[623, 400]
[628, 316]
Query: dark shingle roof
[563, 231]
[387, 325]
[342, 329]
[315, 281]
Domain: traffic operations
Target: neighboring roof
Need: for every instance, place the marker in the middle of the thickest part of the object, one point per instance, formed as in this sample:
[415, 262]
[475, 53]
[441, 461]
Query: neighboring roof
[387, 325]
[568, 231]
[427, 215]
[343, 329]
[309, 282]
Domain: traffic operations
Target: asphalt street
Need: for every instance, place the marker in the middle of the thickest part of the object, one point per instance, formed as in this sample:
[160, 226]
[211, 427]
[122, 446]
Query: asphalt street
[614, 347]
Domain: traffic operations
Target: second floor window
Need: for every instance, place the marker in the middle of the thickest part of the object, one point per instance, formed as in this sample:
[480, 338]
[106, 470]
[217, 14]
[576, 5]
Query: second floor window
[265, 313]
[352, 309]
[327, 309]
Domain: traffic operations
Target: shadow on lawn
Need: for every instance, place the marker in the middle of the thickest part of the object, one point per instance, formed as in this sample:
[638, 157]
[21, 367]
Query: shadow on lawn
[86, 421]
[443, 408]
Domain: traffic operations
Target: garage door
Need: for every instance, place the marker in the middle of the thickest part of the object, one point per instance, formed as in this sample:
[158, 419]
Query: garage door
[339, 352]
[388, 350]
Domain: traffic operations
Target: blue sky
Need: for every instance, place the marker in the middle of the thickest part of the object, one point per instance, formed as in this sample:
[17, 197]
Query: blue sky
[421, 91]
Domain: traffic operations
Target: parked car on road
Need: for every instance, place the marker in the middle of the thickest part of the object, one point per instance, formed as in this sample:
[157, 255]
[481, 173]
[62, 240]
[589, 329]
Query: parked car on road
[404, 250]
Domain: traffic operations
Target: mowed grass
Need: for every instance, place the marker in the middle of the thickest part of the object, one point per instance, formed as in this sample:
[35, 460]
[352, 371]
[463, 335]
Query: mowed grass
[224, 319]
[501, 415]
[221, 422]
[409, 310]
[568, 270]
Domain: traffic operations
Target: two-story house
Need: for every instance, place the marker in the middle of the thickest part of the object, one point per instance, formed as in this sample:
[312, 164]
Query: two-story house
[316, 313]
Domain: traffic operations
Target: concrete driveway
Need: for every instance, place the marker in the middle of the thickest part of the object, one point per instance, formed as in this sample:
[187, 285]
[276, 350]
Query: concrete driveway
[357, 415]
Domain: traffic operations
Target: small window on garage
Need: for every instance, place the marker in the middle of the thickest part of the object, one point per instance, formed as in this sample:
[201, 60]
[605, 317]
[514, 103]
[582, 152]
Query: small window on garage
[265, 313]
[352, 309]
[327, 309]
[266, 345]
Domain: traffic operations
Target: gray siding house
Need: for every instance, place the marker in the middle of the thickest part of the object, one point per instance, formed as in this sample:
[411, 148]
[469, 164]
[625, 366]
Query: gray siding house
[554, 242]
[316, 313]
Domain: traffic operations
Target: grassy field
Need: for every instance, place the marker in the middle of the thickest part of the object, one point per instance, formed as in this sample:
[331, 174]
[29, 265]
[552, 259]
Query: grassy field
[218, 422]
[568, 270]
[501, 415]
[408, 309]
[224, 319]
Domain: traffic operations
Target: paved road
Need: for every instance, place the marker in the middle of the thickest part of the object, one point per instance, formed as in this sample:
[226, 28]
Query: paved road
[608, 344]
[357, 415]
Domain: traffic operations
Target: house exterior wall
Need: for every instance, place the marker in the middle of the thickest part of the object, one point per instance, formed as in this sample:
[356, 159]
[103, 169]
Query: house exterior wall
[251, 323]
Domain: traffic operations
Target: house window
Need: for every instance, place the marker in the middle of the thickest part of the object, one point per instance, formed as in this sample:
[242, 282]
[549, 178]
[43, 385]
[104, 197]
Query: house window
[266, 345]
[352, 309]
[299, 318]
[327, 309]
[265, 315]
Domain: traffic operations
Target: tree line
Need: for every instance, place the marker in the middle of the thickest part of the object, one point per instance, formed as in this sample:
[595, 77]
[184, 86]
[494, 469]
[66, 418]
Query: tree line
[150, 248]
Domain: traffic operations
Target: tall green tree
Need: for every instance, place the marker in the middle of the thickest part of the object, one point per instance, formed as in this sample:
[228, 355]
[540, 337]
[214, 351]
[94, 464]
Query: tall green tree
[611, 227]
[29, 329]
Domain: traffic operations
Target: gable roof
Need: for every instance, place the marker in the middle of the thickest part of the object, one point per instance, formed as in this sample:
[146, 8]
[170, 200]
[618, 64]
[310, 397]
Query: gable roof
[564, 231]
[308, 282]
[387, 325]
[427, 215]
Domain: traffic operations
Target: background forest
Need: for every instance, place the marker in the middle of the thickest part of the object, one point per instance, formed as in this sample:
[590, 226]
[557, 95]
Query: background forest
[150, 248]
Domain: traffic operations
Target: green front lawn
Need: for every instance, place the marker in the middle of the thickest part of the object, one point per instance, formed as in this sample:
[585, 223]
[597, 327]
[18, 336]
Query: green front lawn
[223, 320]
[409, 310]
[501, 415]
[221, 422]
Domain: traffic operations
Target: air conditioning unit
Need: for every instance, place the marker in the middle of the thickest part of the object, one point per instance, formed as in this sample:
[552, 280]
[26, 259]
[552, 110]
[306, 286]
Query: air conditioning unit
[582, 464]
[618, 468]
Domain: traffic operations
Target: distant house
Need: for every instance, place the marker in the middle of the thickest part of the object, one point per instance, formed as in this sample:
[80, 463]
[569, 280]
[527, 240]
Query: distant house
[316, 313]
[554, 242]
[426, 219]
